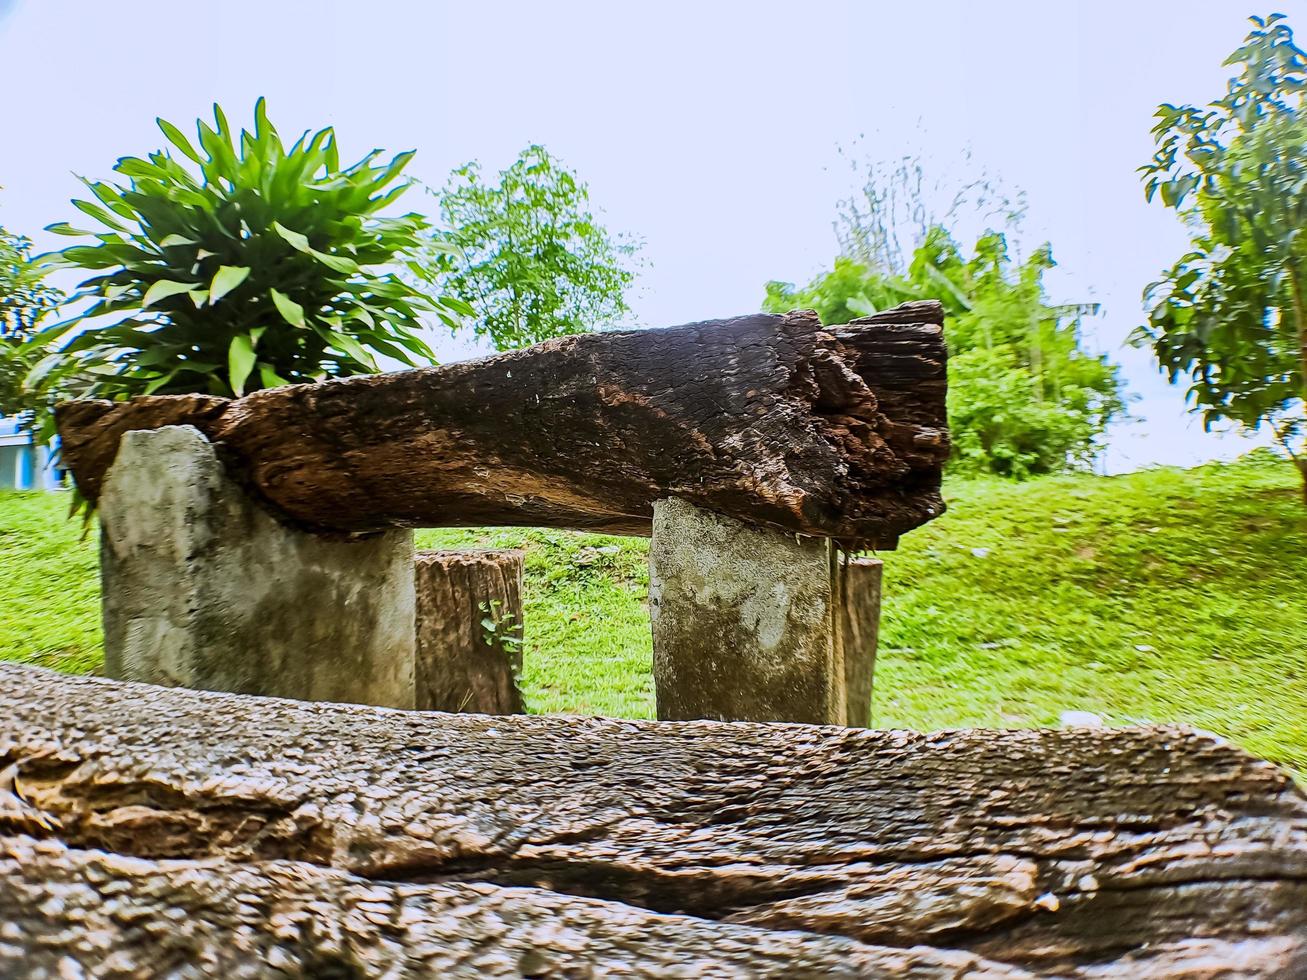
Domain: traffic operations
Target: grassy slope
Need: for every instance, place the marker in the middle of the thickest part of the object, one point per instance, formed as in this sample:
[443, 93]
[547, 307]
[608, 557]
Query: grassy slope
[49, 587]
[1165, 595]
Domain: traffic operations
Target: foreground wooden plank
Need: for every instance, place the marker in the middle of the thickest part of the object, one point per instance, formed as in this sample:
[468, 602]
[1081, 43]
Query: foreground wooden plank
[118, 917]
[1136, 852]
[768, 419]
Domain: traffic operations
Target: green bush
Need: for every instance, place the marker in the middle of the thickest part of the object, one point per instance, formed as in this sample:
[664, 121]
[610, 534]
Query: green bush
[1024, 397]
[1230, 314]
[24, 299]
[241, 265]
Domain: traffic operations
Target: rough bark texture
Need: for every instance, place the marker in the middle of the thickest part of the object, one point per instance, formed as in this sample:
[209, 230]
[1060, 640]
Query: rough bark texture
[770, 419]
[463, 664]
[337, 840]
[122, 917]
[201, 588]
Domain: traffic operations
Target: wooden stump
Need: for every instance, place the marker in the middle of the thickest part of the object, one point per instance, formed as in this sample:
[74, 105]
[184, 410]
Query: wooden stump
[859, 624]
[146, 831]
[469, 631]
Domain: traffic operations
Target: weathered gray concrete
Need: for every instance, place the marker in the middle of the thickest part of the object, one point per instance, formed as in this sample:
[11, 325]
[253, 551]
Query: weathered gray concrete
[751, 624]
[203, 589]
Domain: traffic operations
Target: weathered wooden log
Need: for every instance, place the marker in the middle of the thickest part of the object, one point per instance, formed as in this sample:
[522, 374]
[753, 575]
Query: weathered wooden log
[773, 420]
[346, 837]
[469, 631]
[125, 917]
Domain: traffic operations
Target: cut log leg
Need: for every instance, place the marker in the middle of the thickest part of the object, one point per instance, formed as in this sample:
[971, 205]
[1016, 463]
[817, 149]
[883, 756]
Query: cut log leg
[244, 836]
[201, 588]
[469, 631]
[859, 622]
[772, 420]
[753, 625]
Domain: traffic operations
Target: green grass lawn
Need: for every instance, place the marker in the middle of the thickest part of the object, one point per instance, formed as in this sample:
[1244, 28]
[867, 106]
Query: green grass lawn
[1165, 595]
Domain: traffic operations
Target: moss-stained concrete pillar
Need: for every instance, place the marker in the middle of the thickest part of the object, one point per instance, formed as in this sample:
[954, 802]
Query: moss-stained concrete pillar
[751, 624]
[203, 589]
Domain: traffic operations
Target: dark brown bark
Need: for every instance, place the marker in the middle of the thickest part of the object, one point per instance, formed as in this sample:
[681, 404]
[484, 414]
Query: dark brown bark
[363, 836]
[840, 433]
[469, 631]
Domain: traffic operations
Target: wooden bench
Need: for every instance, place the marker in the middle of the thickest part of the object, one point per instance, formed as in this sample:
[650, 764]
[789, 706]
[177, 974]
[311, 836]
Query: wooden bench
[261, 545]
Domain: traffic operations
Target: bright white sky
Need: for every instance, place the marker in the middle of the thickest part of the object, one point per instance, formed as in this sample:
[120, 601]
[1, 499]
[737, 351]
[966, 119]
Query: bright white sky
[709, 130]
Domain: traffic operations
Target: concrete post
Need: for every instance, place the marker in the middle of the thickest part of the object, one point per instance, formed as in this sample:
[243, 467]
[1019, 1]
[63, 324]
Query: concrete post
[751, 624]
[202, 588]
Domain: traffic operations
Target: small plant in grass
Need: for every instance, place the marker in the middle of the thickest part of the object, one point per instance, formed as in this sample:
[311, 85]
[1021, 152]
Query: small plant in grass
[236, 263]
[497, 629]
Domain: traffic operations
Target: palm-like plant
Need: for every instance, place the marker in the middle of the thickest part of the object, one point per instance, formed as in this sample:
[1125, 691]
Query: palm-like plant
[265, 266]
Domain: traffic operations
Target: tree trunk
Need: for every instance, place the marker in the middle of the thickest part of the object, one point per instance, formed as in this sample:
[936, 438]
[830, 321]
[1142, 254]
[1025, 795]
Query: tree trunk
[469, 631]
[859, 581]
[773, 420]
[151, 828]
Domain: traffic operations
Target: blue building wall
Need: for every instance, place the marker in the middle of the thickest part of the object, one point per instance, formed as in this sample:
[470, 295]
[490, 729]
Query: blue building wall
[23, 464]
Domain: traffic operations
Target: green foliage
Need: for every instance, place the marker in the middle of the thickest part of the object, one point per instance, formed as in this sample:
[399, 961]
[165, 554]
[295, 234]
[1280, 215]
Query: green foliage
[850, 290]
[1072, 606]
[498, 627]
[240, 264]
[24, 300]
[50, 586]
[527, 254]
[1230, 313]
[1024, 398]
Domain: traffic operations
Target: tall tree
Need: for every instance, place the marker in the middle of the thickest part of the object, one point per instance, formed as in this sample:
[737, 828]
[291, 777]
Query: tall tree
[527, 254]
[1231, 313]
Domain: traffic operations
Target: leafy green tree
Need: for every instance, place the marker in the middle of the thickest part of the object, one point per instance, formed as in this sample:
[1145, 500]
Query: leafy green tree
[242, 264]
[1230, 314]
[24, 299]
[527, 254]
[1024, 398]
